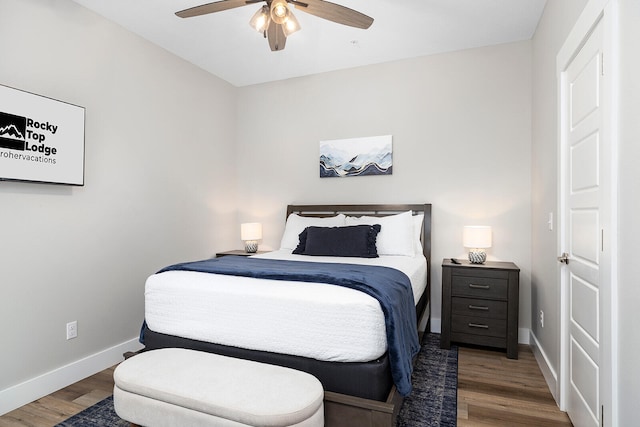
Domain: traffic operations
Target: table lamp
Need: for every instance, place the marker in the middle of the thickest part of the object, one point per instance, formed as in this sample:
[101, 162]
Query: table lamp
[251, 232]
[477, 238]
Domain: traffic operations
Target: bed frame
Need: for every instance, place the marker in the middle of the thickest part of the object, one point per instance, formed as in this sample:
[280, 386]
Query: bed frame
[344, 408]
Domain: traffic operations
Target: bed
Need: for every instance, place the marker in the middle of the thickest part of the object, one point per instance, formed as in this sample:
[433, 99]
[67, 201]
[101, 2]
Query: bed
[303, 327]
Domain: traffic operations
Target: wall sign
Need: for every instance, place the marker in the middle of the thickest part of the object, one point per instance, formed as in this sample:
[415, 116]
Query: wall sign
[41, 139]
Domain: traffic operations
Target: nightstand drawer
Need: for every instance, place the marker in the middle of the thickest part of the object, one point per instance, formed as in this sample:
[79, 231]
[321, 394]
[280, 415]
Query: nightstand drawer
[482, 287]
[479, 326]
[479, 308]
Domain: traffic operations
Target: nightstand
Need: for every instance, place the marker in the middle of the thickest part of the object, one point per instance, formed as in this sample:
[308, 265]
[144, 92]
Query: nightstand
[238, 252]
[480, 304]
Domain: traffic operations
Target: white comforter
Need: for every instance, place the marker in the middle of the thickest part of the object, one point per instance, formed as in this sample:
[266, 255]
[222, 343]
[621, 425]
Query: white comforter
[315, 320]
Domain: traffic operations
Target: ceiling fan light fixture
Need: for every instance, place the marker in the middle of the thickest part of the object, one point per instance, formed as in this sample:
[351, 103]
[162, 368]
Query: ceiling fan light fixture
[291, 25]
[275, 20]
[279, 11]
[260, 20]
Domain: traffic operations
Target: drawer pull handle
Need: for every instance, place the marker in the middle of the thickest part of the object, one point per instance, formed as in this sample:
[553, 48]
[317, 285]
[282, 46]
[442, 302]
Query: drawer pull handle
[478, 307]
[473, 286]
[477, 325]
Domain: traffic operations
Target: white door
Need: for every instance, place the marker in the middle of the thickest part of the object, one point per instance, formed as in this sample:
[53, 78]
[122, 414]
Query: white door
[583, 194]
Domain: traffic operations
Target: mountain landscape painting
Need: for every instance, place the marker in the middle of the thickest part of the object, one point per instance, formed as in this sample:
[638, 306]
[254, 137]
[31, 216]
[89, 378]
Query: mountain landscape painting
[356, 157]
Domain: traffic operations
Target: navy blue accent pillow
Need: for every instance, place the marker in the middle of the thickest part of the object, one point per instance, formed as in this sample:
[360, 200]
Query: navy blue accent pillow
[352, 241]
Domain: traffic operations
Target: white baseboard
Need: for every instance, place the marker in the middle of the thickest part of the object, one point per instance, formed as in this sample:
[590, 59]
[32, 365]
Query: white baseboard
[549, 374]
[523, 335]
[20, 394]
[436, 325]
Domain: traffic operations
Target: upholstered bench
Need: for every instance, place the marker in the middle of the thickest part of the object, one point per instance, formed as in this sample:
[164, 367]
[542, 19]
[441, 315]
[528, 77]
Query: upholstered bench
[184, 388]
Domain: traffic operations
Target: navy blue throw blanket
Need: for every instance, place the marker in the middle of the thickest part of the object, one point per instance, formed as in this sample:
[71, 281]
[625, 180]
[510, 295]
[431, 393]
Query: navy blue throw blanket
[390, 287]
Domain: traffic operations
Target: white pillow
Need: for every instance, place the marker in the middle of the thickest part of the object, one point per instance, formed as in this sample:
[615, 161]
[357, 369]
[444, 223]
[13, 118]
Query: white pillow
[397, 235]
[296, 225]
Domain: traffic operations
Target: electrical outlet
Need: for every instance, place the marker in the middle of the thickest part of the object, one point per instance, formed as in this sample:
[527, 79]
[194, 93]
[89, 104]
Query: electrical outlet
[541, 319]
[72, 329]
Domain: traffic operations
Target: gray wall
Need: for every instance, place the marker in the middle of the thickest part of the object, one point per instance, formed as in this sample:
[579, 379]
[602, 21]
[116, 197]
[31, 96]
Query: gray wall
[556, 23]
[461, 126]
[159, 184]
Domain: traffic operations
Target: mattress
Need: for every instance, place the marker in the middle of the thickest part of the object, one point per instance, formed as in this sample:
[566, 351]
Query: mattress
[314, 320]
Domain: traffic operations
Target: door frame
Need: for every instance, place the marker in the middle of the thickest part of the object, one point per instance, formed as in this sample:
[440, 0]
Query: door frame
[595, 11]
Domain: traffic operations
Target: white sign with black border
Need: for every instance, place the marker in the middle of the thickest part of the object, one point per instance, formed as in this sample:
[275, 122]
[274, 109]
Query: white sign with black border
[41, 139]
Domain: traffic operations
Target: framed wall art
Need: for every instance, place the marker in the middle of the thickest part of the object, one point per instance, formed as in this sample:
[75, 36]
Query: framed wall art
[41, 139]
[356, 157]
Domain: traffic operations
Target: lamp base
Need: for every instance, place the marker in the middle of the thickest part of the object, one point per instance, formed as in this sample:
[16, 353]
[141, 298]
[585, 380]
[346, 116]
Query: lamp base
[477, 256]
[251, 246]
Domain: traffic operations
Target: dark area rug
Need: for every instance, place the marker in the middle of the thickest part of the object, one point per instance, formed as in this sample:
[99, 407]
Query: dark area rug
[101, 414]
[433, 401]
[434, 398]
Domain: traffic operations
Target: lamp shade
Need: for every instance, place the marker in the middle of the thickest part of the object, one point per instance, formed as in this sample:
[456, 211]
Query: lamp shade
[279, 11]
[290, 25]
[476, 236]
[251, 231]
[260, 21]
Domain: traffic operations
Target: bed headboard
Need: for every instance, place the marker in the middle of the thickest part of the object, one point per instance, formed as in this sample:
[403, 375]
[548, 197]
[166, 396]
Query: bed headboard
[372, 210]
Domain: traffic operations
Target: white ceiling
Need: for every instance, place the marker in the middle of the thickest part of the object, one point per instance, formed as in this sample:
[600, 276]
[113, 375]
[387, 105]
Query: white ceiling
[225, 45]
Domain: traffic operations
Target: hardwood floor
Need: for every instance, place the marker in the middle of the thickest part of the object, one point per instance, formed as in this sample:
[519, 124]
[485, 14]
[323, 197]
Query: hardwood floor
[492, 391]
[58, 406]
[495, 391]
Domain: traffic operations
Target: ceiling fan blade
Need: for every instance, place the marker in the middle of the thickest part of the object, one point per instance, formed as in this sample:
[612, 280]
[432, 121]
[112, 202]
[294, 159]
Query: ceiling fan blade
[216, 6]
[276, 36]
[334, 12]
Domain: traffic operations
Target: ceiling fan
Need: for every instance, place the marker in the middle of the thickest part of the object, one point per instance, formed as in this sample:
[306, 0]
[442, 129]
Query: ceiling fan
[276, 21]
